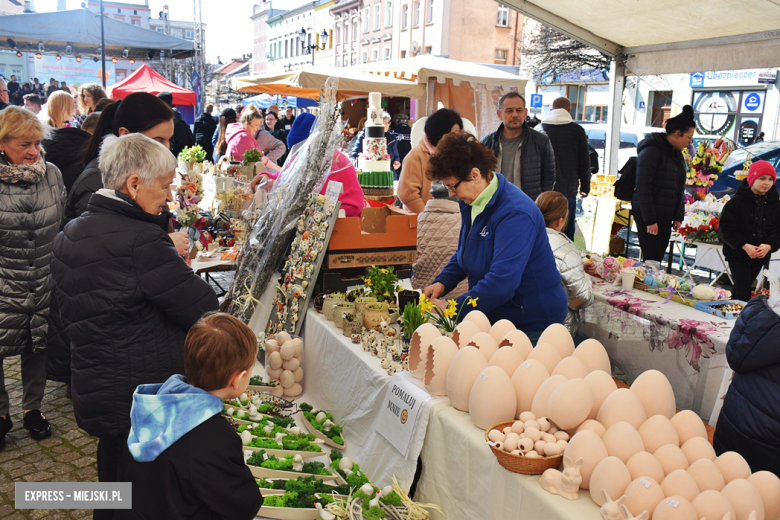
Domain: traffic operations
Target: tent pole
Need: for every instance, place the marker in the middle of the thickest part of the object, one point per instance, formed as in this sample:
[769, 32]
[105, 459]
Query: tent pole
[102, 45]
[617, 83]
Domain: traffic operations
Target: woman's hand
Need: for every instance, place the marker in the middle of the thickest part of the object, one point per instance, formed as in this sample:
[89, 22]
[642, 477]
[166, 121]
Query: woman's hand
[677, 225]
[589, 267]
[652, 230]
[441, 304]
[762, 250]
[751, 250]
[257, 180]
[181, 242]
[433, 292]
[396, 165]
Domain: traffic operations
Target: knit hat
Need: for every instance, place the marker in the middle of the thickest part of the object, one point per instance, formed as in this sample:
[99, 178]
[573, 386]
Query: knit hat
[167, 97]
[228, 112]
[301, 128]
[759, 168]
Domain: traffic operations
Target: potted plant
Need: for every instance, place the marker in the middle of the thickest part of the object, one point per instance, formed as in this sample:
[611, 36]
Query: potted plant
[318, 301]
[374, 314]
[190, 156]
[412, 318]
[339, 310]
[351, 325]
[360, 305]
[356, 293]
[329, 301]
[382, 282]
[446, 319]
[251, 158]
[405, 297]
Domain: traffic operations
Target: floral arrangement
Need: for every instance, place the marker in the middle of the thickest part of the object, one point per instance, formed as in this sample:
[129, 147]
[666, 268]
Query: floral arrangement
[446, 319]
[252, 155]
[233, 199]
[382, 282]
[195, 154]
[707, 164]
[188, 195]
[707, 232]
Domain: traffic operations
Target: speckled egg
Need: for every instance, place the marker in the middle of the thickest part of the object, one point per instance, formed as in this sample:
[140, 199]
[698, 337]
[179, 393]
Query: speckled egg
[492, 399]
[688, 425]
[732, 466]
[712, 504]
[464, 332]
[518, 340]
[680, 482]
[593, 354]
[707, 475]
[539, 404]
[594, 426]
[622, 441]
[586, 445]
[671, 458]
[571, 368]
[479, 318]
[655, 392]
[644, 464]
[500, 329]
[485, 343]
[697, 448]
[643, 494]
[559, 337]
[526, 381]
[768, 486]
[547, 354]
[676, 507]
[602, 385]
[622, 405]
[570, 403]
[657, 431]
[610, 475]
[464, 369]
[507, 358]
[745, 498]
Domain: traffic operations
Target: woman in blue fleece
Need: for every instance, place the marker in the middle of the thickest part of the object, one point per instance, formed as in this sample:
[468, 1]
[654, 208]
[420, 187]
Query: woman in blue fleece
[503, 248]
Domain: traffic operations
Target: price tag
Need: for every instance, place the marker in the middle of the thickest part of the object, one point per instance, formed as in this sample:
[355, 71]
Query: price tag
[645, 483]
[672, 502]
[333, 191]
[483, 376]
[265, 456]
[526, 364]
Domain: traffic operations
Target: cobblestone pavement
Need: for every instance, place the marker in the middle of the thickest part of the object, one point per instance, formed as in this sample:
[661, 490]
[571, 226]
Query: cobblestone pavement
[67, 456]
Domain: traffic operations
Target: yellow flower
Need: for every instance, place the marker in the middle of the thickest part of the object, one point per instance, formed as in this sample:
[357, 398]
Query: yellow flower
[368, 282]
[452, 303]
[384, 271]
[472, 302]
[387, 294]
[449, 312]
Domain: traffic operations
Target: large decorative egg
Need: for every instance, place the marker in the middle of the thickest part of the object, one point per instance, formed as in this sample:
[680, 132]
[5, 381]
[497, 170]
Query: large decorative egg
[671, 458]
[680, 482]
[492, 398]
[570, 403]
[768, 486]
[593, 354]
[559, 337]
[437, 364]
[657, 431]
[643, 464]
[479, 318]
[675, 507]
[464, 369]
[622, 441]
[643, 494]
[594, 426]
[586, 445]
[507, 358]
[732, 466]
[274, 373]
[292, 364]
[707, 475]
[485, 343]
[298, 375]
[688, 425]
[287, 379]
[712, 504]
[697, 448]
[602, 385]
[518, 340]
[547, 354]
[655, 392]
[745, 498]
[526, 380]
[539, 404]
[272, 346]
[622, 405]
[464, 332]
[418, 348]
[298, 342]
[610, 475]
[571, 368]
[500, 329]
[293, 391]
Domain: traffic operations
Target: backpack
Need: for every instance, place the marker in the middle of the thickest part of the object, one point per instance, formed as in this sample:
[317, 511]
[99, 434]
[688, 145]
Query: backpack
[626, 184]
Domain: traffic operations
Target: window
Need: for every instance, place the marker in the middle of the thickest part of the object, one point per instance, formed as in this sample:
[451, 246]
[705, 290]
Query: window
[416, 21]
[135, 11]
[503, 17]
[501, 56]
[428, 49]
[161, 30]
[355, 31]
[405, 17]
[135, 22]
[403, 54]
[338, 34]
[377, 15]
[189, 35]
[365, 59]
[375, 55]
[429, 18]
[337, 61]
[387, 53]
[366, 20]
[17, 73]
[389, 14]
[286, 45]
[346, 33]
[118, 10]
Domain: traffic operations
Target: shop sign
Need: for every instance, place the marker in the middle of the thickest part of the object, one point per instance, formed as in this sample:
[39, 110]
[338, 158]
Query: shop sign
[400, 414]
[733, 78]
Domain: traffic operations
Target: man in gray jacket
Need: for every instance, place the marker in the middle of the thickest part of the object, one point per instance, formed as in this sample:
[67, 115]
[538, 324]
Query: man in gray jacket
[525, 156]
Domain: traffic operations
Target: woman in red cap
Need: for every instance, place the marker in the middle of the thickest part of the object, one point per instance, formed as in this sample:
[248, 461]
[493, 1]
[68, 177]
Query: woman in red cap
[750, 227]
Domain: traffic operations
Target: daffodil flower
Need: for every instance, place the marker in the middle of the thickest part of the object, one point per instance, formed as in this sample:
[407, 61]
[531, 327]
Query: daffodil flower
[472, 301]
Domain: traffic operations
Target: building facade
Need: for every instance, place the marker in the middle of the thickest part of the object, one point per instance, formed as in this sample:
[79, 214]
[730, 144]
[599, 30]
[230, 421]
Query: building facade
[323, 28]
[346, 28]
[290, 48]
[261, 51]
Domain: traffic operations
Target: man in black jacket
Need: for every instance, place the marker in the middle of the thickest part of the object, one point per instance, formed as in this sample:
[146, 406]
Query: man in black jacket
[572, 161]
[182, 135]
[403, 138]
[525, 156]
[205, 126]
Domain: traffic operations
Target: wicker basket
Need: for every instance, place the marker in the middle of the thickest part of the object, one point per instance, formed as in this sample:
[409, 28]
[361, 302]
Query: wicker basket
[518, 464]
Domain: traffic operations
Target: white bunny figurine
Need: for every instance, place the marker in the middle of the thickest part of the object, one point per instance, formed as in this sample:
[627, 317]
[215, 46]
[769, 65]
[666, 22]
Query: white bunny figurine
[610, 510]
[628, 516]
[565, 484]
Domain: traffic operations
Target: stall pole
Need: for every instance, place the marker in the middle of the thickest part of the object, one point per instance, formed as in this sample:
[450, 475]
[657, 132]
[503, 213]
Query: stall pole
[102, 45]
[617, 83]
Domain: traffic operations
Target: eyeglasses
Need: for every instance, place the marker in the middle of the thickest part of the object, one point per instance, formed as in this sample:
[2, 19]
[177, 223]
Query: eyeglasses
[453, 188]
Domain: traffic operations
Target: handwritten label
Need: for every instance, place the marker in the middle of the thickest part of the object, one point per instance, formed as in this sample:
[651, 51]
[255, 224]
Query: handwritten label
[333, 191]
[672, 502]
[398, 419]
[645, 483]
[526, 364]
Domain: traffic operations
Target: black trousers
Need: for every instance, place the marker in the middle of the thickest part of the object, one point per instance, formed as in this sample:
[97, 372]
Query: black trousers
[109, 456]
[744, 273]
[653, 246]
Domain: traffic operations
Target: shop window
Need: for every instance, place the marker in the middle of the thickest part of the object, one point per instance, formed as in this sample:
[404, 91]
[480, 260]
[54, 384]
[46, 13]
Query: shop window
[403, 54]
[597, 114]
[503, 17]
[377, 16]
[576, 95]
[662, 108]
[500, 56]
[387, 53]
[375, 55]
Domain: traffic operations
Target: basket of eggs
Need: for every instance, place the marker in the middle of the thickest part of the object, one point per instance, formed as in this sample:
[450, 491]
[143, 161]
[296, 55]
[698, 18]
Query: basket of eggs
[528, 446]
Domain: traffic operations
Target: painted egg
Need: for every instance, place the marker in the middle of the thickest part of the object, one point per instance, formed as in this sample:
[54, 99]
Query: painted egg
[622, 405]
[593, 354]
[688, 425]
[517, 340]
[602, 385]
[712, 504]
[622, 441]
[274, 373]
[275, 360]
[287, 379]
[437, 364]
[298, 374]
[418, 348]
[539, 404]
[593, 426]
[745, 498]
[586, 445]
[768, 486]
[507, 358]
[655, 392]
[294, 390]
[697, 448]
[298, 342]
[570, 403]
[464, 332]
[288, 350]
[547, 354]
[559, 337]
[479, 318]
[571, 368]
[680, 482]
[283, 338]
[291, 364]
[492, 399]
[671, 458]
[643, 494]
[464, 369]
[485, 343]
[610, 475]
[644, 464]
[707, 475]
[676, 507]
[732, 466]
[525, 444]
[526, 380]
[500, 329]
[657, 431]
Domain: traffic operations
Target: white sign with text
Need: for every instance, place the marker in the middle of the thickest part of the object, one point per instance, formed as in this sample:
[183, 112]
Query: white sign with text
[400, 413]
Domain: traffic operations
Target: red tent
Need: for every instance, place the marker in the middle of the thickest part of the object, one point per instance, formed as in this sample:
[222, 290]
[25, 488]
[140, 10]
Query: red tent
[145, 79]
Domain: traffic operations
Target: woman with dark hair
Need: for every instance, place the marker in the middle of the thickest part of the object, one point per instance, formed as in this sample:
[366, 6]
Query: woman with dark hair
[503, 247]
[660, 183]
[414, 186]
[227, 117]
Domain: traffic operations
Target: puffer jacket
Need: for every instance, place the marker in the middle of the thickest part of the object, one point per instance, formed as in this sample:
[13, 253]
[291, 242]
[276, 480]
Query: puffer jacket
[127, 300]
[572, 158]
[87, 183]
[660, 181]
[182, 135]
[750, 418]
[63, 149]
[579, 292]
[750, 219]
[29, 221]
[535, 172]
[267, 143]
[438, 228]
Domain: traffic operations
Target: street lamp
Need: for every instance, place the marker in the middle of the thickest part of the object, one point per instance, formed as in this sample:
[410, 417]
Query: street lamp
[313, 47]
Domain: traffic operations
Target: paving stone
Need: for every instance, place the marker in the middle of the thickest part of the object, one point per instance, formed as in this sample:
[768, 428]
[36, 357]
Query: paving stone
[81, 442]
[72, 435]
[13, 464]
[21, 470]
[84, 462]
[50, 442]
[60, 469]
[87, 474]
[69, 457]
[61, 449]
[38, 476]
[90, 449]
[44, 464]
[6, 510]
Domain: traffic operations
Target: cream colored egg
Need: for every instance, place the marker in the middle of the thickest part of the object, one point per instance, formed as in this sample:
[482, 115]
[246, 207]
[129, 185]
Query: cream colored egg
[294, 390]
[479, 318]
[680, 482]
[768, 486]
[272, 346]
[546, 437]
[593, 426]
[712, 504]
[602, 385]
[551, 449]
[292, 364]
[283, 338]
[674, 507]
[539, 404]
[562, 436]
[539, 447]
[586, 445]
[570, 403]
[643, 494]
[518, 427]
[507, 430]
[571, 368]
[544, 424]
[464, 332]
[707, 475]
[547, 354]
[533, 434]
[732, 466]
[419, 345]
[507, 358]
[500, 329]
[532, 423]
[657, 431]
[532, 455]
[298, 346]
[562, 444]
[492, 399]
[697, 448]
[510, 444]
[526, 381]
[622, 405]
[559, 337]
[644, 464]
[527, 416]
[688, 425]
[671, 458]
[464, 370]
[592, 353]
[437, 364]
[496, 436]
[552, 429]
[610, 475]
[517, 340]
[276, 391]
[655, 392]
[485, 343]
[275, 360]
[274, 373]
[287, 379]
[745, 498]
[517, 452]
[622, 441]
[298, 374]
[288, 350]
[525, 444]
[272, 342]
[512, 435]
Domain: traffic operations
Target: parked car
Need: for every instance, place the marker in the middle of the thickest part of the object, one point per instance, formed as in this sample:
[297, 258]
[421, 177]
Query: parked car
[727, 184]
[629, 139]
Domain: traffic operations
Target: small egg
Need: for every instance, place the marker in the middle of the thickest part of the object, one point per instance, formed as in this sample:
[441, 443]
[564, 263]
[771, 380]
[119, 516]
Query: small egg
[298, 342]
[510, 444]
[525, 445]
[517, 452]
[496, 436]
[562, 444]
[551, 449]
[544, 424]
[294, 390]
[272, 342]
[533, 434]
[513, 435]
[499, 445]
[275, 347]
[292, 364]
[562, 436]
[518, 427]
[553, 429]
[287, 351]
[275, 360]
[298, 373]
[274, 373]
[283, 338]
[287, 379]
[539, 447]
[532, 455]
[507, 430]
[527, 416]
[532, 424]
[549, 438]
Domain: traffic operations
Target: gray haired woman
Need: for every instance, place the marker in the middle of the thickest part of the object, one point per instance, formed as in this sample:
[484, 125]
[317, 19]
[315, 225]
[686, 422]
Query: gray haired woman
[127, 298]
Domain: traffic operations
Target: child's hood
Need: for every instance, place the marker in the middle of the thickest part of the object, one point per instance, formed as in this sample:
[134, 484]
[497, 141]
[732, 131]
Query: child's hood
[163, 413]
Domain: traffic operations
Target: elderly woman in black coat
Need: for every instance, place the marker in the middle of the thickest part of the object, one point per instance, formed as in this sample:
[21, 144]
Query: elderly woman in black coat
[127, 298]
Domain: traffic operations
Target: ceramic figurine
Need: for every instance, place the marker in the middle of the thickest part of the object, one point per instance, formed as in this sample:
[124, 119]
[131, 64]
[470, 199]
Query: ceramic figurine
[395, 353]
[628, 516]
[356, 338]
[391, 371]
[297, 464]
[385, 363]
[381, 352]
[565, 483]
[610, 510]
[405, 363]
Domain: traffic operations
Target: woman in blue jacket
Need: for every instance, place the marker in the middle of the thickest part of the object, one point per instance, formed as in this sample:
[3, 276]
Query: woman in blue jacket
[503, 248]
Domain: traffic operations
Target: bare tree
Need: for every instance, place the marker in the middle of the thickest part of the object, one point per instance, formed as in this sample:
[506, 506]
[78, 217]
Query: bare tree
[550, 53]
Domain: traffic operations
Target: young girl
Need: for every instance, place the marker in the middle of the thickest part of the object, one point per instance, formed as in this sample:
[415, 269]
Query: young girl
[750, 227]
[555, 210]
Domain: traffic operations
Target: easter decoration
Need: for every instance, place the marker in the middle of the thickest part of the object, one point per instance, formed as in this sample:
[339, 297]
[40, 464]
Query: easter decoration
[320, 423]
[283, 364]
